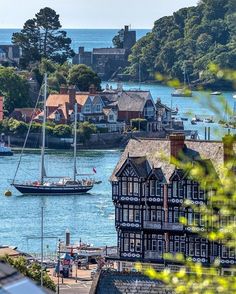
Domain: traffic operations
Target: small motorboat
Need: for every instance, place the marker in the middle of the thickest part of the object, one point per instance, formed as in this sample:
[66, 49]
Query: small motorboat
[193, 121]
[4, 150]
[184, 118]
[216, 93]
[198, 119]
[208, 120]
[182, 92]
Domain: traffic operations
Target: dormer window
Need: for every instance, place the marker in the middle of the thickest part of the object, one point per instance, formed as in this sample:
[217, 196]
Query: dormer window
[57, 116]
[87, 108]
[111, 117]
[124, 188]
[152, 187]
[98, 108]
[175, 186]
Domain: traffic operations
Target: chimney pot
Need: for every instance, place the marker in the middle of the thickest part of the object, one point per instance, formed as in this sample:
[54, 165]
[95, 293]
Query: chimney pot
[72, 96]
[92, 89]
[63, 89]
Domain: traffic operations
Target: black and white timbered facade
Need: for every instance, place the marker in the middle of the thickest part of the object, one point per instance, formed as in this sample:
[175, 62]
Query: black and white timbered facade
[148, 197]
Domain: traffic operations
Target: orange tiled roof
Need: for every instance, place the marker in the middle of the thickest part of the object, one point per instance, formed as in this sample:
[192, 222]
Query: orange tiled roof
[54, 100]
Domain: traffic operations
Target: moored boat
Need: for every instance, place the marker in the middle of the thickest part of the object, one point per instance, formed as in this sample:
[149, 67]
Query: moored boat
[182, 92]
[185, 91]
[63, 186]
[4, 150]
[208, 120]
[216, 93]
[193, 121]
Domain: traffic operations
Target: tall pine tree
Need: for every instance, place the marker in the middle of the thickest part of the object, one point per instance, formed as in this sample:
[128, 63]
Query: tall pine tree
[41, 37]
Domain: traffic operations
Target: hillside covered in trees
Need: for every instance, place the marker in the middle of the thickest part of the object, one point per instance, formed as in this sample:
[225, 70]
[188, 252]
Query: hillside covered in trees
[193, 38]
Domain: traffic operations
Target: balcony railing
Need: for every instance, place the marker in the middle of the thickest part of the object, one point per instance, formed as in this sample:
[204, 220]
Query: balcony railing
[162, 226]
[152, 255]
[172, 226]
[151, 225]
[129, 198]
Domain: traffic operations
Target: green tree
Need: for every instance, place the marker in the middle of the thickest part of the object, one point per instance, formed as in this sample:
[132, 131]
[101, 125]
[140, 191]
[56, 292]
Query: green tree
[86, 129]
[14, 88]
[17, 127]
[30, 270]
[192, 35]
[62, 131]
[42, 37]
[83, 77]
[117, 40]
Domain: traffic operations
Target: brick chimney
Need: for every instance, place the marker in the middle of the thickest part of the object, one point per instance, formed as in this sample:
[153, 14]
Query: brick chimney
[176, 144]
[63, 89]
[228, 142]
[72, 95]
[92, 89]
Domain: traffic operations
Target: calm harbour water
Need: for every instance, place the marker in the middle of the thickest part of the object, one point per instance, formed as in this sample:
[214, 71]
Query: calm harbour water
[90, 216]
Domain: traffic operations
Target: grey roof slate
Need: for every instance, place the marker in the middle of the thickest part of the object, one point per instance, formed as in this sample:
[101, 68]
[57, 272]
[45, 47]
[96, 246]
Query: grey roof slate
[119, 283]
[157, 152]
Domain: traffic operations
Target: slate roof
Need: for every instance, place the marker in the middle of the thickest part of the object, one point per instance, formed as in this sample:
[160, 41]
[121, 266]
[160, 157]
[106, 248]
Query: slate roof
[157, 153]
[119, 283]
[129, 100]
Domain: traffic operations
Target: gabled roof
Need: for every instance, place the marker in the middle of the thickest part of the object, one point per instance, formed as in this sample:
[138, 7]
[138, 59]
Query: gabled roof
[157, 153]
[159, 104]
[130, 100]
[26, 111]
[54, 100]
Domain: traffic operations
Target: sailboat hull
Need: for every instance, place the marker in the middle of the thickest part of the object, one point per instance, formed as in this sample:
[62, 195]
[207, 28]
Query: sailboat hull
[51, 190]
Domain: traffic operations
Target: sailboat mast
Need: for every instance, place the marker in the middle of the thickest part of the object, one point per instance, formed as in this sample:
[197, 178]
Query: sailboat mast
[184, 76]
[42, 171]
[75, 139]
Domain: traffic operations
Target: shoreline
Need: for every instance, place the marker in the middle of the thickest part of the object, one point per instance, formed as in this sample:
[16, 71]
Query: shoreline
[194, 87]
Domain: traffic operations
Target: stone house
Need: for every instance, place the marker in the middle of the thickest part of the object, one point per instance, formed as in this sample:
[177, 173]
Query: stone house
[107, 62]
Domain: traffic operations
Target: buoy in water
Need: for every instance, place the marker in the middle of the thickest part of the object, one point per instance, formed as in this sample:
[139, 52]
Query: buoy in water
[8, 193]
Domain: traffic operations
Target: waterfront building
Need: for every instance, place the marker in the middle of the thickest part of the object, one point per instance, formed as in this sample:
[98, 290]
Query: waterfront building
[113, 110]
[108, 62]
[148, 192]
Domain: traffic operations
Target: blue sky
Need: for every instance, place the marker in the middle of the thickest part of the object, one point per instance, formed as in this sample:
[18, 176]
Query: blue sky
[92, 13]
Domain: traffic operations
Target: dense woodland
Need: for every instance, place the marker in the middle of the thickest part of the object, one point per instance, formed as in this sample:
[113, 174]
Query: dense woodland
[193, 38]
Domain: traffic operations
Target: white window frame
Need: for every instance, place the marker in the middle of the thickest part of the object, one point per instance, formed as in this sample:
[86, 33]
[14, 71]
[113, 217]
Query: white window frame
[124, 188]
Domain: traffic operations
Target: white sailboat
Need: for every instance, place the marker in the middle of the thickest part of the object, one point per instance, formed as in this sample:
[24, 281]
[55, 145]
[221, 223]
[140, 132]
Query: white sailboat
[185, 91]
[43, 186]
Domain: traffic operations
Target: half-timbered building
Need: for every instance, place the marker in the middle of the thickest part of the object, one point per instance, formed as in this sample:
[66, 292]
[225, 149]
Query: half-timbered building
[148, 191]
